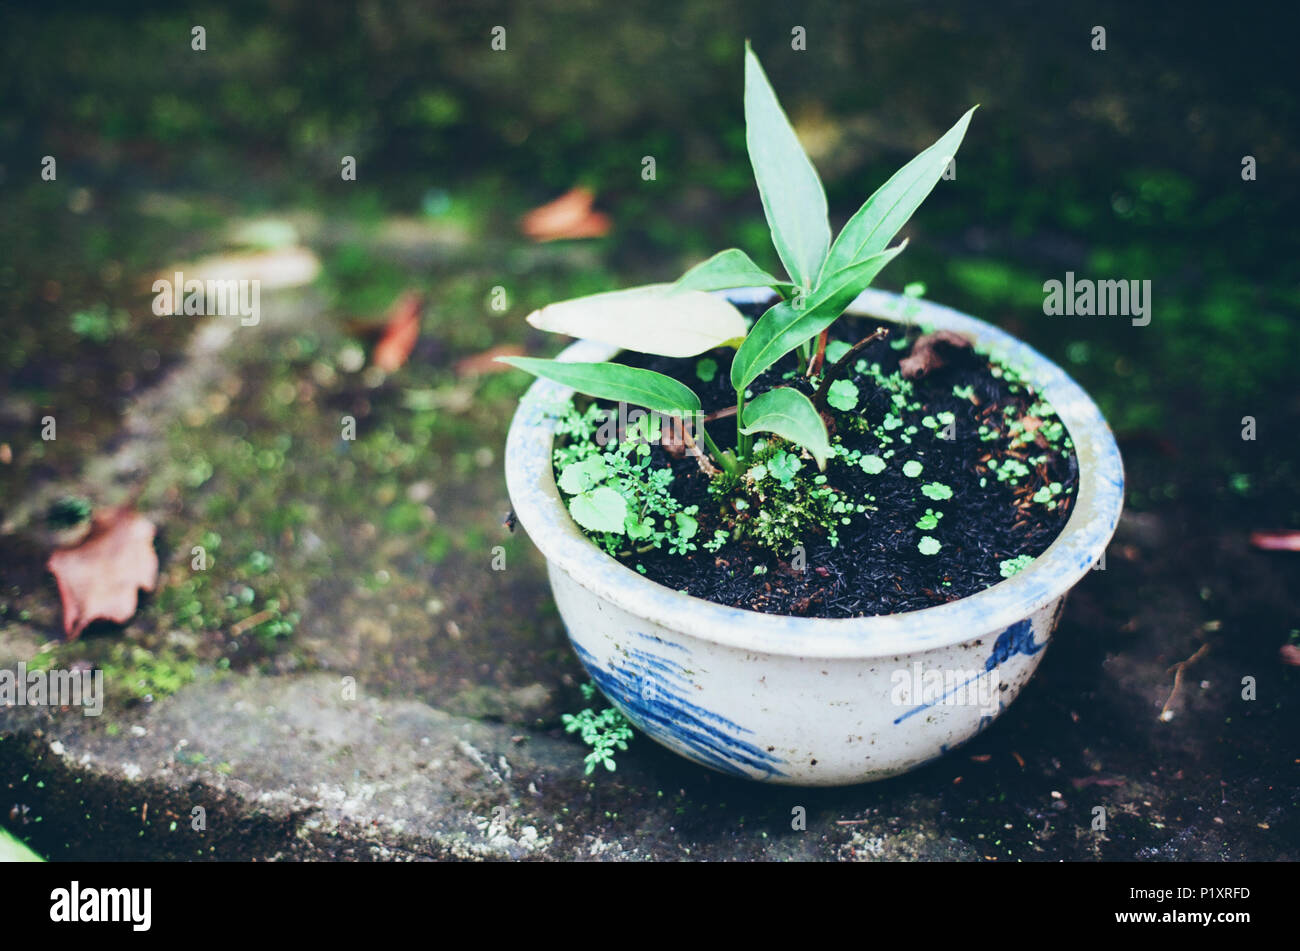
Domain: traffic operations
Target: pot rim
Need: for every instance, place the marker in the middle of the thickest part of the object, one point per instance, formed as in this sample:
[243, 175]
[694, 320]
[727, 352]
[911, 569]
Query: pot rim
[1098, 501]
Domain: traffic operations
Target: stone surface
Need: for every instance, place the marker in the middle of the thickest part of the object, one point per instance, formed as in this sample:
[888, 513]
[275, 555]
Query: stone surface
[453, 747]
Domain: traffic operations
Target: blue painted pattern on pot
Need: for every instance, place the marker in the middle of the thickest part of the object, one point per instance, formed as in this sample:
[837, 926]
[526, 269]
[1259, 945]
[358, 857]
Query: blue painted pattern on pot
[653, 692]
[1017, 639]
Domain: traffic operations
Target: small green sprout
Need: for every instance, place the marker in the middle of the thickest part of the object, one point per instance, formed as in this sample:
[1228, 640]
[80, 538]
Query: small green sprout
[1015, 565]
[937, 491]
[783, 467]
[929, 521]
[843, 395]
[912, 468]
[835, 350]
[872, 465]
[928, 545]
[604, 732]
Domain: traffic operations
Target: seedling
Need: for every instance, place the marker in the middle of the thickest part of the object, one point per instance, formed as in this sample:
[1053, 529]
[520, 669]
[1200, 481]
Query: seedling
[822, 279]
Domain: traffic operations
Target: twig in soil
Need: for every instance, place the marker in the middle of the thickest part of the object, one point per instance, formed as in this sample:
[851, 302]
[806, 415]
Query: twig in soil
[1178, 668]
[251, 622]
[819, 398]
[706, 467]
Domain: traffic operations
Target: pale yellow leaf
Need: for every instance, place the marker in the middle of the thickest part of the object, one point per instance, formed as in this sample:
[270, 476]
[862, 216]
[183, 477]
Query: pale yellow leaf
[655, 319]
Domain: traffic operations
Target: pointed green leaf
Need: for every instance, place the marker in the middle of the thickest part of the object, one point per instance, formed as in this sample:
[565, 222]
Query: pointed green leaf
[876, 222]
[790, 323]
[725, 270]
[613, 381]
[12, 850]
[791, 415]
[792, 194]
[655, 318]
[600, 510]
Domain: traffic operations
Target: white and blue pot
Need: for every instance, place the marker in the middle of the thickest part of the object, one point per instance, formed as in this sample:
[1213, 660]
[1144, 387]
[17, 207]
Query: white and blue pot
[810, 701]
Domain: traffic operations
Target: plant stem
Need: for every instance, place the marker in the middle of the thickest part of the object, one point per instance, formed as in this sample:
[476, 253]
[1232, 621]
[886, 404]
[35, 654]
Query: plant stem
[742, 441]
[709, 444]
[819, 398]
[815, 364]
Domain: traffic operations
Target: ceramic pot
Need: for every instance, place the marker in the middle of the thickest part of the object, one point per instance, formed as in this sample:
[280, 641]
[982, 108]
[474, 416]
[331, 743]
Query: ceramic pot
[810, 701]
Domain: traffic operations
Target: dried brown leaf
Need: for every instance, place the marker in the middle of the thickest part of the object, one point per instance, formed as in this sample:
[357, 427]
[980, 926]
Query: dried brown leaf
[401, 331]
[930, 352]
[98, 577]
[569, 216]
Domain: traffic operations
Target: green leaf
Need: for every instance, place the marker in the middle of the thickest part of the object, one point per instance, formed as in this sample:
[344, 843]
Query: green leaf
[783, 466]
[791, 415]
[613, 381]
[885, 212]
[928, 545]
[843, 395]
[725, 270]
[600, 510]
[937, 491]
[792, 194]
[656, 318]
[638, 529]
[834, 350]
[580, 476]
[12, 850]
[789, 323]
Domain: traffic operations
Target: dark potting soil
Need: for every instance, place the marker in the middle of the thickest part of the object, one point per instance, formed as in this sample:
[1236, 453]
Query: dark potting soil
[878, 566]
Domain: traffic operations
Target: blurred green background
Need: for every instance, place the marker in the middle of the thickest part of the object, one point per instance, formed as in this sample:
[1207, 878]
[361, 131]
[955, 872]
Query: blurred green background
[1123, 163]
[369, 558]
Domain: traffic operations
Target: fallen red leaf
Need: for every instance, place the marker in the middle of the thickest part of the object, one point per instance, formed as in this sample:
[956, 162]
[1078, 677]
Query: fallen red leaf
[1276, 541]
[1290, 654]
[98, 577]
[480, 363]
[401, 331]
[569, 216]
